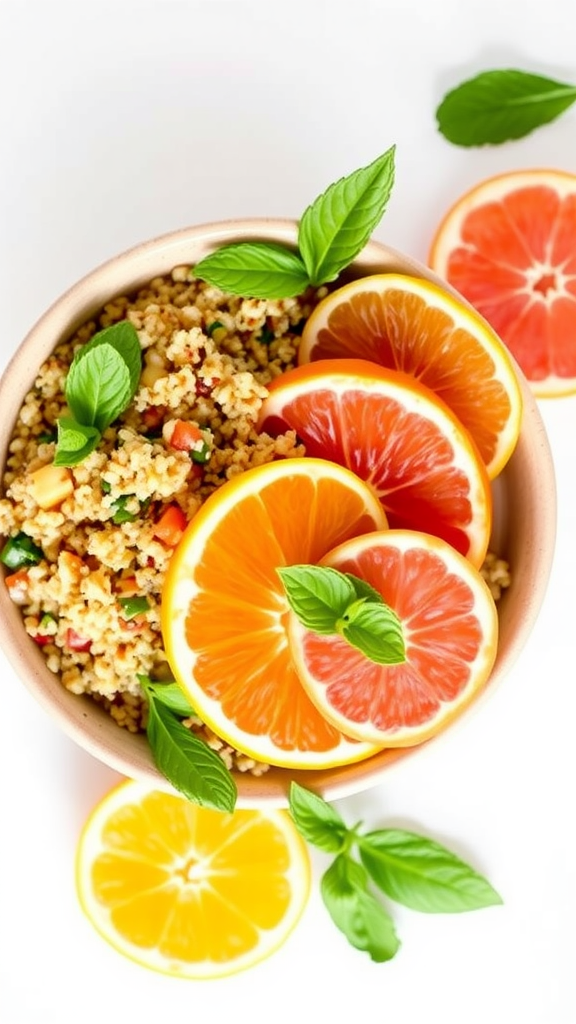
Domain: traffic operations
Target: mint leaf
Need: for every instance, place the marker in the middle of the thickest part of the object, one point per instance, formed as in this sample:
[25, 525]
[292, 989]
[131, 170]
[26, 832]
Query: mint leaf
[318, 595]
[188, 763]
[259, 270]
[316, 820]
[75, 442]
[374, 629]
[337, 225]
[98, 387]
[422, 874]
[364, 921]
[501, 105]
[363, 589]
[104, 376]
[169, 694]
[123, 337]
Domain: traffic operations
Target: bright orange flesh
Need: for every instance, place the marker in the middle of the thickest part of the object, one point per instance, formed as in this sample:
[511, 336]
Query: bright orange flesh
[450, 629]
[224, 611]
[395, 434]
[509, 247]
[189, 891]
[412, 325]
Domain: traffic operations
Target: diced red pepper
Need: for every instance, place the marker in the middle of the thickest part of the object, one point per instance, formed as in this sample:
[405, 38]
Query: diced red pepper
[76, 642]
[41, 639]
[185, 436]
[170, 526]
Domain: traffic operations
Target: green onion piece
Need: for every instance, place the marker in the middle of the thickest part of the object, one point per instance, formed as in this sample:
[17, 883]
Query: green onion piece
[105, 486]
[132, 606]
[121, 513]
[20, 550]
[46, 619]
[266, 336]
[201, 454]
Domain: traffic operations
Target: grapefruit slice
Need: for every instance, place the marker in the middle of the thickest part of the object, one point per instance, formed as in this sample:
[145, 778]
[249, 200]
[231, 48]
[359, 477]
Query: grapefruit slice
[509, 246]
[397, 436]
[450, 628]
[413, 325]
[224, 610]
[187, 891]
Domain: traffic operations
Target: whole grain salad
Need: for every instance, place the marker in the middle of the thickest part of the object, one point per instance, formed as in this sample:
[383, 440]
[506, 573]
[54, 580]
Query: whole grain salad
[89, 544]
[133, 422]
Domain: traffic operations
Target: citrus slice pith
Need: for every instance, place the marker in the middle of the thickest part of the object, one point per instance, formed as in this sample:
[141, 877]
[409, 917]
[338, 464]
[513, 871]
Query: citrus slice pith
[450, 629]
[187, 891]
[509, 246]
[413, 325]
[224, 610]
[395, 434]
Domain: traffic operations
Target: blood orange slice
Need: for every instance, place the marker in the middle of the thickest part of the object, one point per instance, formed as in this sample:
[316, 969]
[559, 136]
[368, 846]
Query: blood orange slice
[397, 436]
[509, 246]
[224, 610]
[450, 628]
[413, 325]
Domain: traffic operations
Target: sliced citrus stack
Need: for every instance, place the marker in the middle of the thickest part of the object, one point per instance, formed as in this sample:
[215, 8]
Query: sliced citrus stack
[224, 610]
[189, 891]
[509, 246]
[397, 436]
[413, 325]
[450, 628]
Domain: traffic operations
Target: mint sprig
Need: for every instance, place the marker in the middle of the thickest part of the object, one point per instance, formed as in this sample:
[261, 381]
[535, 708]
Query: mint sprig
[410, 869]
[101, 383]
[501, 105]
[331, 233]
[186, 760]
[332, 603]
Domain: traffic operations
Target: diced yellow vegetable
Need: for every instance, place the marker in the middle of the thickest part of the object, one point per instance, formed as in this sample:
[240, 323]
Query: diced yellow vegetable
[50, 485]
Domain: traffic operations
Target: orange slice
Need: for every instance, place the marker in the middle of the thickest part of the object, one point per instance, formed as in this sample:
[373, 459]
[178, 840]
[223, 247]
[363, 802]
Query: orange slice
[450, 630]
[509, 246]
[224, 610]
[188, 891]
[397, 436]
[413, 325]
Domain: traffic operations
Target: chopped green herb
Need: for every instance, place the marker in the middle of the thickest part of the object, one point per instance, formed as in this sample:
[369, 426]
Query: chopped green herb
[19, 551]
[132, 606]
[210, 328]
[201, 454]
[47, 437]
[266, 336]
[105, 487]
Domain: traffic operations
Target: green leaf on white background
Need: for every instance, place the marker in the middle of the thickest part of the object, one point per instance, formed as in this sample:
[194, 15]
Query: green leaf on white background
[422, 874]
[317, 821]
[337, 225]
[356, 913]
[501, 105]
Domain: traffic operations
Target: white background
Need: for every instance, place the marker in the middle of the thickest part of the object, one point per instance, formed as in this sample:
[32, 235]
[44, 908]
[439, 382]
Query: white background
[120, 121]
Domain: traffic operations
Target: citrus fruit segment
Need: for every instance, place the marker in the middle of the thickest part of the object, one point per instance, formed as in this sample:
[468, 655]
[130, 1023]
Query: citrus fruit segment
[509, 247]
[413, 325]
[397, 436]
[188, 891]
[450, 629]
[224, 610]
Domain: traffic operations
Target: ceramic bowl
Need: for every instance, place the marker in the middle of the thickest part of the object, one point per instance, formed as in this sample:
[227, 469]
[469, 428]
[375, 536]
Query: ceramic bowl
[524, 515]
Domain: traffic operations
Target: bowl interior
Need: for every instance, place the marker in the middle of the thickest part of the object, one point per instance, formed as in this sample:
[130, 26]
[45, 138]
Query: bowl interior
[523, 532]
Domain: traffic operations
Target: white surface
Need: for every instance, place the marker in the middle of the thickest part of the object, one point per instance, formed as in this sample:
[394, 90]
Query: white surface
[119, 122]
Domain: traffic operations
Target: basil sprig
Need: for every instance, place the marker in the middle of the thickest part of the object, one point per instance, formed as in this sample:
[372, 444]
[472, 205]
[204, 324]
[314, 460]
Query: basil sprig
[101, 383]
[186, 760]
[408, 868]
[500, 105]
[331, 233]
[332, 603]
